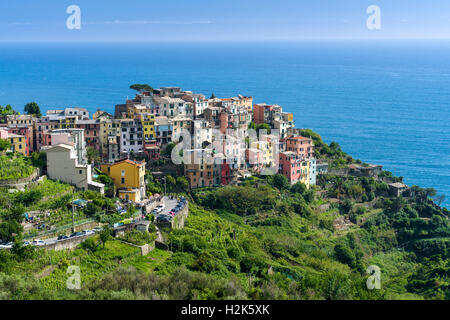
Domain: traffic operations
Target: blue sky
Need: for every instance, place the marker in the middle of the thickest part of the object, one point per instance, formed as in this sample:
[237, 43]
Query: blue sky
[150, 20]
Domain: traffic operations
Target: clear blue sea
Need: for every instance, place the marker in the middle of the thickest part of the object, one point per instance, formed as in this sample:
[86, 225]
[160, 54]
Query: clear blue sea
[384, 102]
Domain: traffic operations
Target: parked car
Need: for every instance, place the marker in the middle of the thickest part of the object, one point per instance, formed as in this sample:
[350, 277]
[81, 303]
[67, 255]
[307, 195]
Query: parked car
[38, 242]
[75, 234]
[26, 243]
[87, 232]
[62, 237]
[163, 218]
[97, 229]
[8, 245]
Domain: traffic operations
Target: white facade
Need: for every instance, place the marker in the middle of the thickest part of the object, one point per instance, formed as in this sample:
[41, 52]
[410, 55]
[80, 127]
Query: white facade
[202, 133]
[62, 165]
[131, 137]
[312, 172]
[66, 161]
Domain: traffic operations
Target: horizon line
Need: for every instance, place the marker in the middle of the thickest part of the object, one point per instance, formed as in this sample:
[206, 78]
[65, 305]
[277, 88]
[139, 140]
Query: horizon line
[101, 41]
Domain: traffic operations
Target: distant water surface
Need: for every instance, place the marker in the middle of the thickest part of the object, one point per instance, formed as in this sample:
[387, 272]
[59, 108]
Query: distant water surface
[385, 103]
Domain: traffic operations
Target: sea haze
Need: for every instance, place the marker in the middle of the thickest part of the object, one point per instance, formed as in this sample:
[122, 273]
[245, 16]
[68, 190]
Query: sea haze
[384, 102]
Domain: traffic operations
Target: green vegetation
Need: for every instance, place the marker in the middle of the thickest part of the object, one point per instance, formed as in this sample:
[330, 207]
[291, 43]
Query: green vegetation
[15, 166]
[93, 156]
[141, 87]
[8, 110]
[258, 127]
[33, 109]
[263, 239]
[4, 145]
[139, 238]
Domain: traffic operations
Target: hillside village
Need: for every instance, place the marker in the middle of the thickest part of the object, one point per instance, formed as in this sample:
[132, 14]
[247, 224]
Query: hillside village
[144, 126]
[252, 197]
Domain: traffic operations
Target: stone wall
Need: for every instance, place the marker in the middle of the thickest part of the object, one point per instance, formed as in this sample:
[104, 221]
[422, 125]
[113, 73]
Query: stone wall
[23, 181]
[68, 231]
[145, 249]
[67, 244]
[177, 221]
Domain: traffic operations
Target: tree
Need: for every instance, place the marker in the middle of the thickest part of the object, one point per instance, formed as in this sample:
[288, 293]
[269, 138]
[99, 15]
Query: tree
[439, 199]
[91, 209]
[430, 192]
[11, 227]
[344, 255]
[8, 110]
[141, 87]
[346, 206]
[92, 155]
[263, 126]
[252, 125]
[33, 109]
[105, 235]
[9, 230]
[39, 159]
[171, 182]
[168, 149]
[299, 187]
[4, 145]
[183, 184]
[213, 96]
[280, 182]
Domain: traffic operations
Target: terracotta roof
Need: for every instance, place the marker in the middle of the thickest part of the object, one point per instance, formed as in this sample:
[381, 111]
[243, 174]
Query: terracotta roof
[299, 138]
[130, 162]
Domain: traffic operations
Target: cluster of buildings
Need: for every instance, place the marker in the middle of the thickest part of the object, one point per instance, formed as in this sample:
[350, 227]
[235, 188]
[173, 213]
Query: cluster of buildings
[217, 145]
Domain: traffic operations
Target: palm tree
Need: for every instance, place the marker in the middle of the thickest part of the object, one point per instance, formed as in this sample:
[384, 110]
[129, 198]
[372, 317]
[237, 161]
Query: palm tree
[92, 155]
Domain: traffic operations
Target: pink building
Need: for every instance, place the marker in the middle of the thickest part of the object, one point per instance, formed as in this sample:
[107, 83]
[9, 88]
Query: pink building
[290, 166]
[91, 132]
[26, 132]
[3, 134]
[41, 132]
[152, 149]
[233, 149]
[264, 113]
[300, 145]
[254, 159]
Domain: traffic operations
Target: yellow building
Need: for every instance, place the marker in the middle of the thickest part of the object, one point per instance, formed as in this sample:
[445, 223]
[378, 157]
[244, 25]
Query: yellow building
[148, 124]
[109, 131]
[135, 110]
[129, 179]
[68, 122]
[18, 143]
[266, 149]
[305, 171]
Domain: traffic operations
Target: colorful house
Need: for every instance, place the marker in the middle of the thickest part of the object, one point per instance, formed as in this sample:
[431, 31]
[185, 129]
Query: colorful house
[18, 143]
[129, 179]
[152, 150]
[294, 167]
[300, 145]
[148, 124]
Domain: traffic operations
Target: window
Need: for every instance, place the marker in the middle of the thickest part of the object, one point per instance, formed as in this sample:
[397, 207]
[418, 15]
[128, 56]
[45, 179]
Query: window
[81, 171]
[122, 180]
